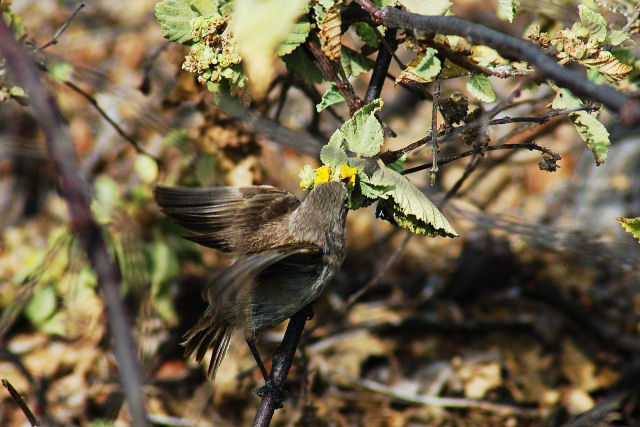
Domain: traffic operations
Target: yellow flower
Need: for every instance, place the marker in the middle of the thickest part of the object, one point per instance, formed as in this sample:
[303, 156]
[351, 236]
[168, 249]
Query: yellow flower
[349, 173]
[322, 175]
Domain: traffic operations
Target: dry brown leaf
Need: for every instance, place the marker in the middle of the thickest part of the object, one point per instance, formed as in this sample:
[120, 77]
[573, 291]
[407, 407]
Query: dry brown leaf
[578, 368]
[330, 30]
[610, 65]
[479, 379]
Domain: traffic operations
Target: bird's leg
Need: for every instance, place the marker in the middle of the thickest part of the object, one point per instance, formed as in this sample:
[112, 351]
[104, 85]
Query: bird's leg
[268, 384]
[256, 356]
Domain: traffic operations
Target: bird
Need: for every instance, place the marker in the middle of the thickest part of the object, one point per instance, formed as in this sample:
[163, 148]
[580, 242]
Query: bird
[286, 252]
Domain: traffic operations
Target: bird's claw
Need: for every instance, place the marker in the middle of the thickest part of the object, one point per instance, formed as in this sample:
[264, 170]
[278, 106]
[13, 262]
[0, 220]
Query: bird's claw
[276, 390]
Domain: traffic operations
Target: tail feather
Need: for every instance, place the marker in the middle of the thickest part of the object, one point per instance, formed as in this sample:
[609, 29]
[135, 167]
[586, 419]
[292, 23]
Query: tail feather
[205, 335]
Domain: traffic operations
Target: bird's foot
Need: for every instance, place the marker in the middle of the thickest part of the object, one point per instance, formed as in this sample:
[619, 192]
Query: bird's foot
[277, 391]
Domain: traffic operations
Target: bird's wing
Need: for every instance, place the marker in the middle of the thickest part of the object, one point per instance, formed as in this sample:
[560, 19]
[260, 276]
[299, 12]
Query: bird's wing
[246, 271]
[231, 298]
[224, 218]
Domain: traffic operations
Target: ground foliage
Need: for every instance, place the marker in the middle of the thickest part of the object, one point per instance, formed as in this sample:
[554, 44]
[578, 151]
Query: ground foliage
[522, 320]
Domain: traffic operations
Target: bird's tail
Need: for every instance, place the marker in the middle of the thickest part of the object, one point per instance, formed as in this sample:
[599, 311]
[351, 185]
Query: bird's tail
[204, 335]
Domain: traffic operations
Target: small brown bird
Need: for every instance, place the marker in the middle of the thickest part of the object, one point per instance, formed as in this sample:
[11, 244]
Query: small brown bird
[287, 252]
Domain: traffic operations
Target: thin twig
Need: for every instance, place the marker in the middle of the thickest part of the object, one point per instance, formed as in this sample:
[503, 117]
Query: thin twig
[109, 120]
[443, 402]
[344, 87]
[528, 146]
[20, 402]
[62, 29]
[434, 131]
[383, 270]
[64, 160]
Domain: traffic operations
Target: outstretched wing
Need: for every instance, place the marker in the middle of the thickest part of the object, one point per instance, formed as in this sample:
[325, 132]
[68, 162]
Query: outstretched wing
[224, 218]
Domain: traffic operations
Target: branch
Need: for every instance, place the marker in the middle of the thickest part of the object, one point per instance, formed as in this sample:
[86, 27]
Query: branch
[282, 361]
[509, 46]
[20, 402]
[72, 187]
[381, 67]
[344, 87]
[529, 146]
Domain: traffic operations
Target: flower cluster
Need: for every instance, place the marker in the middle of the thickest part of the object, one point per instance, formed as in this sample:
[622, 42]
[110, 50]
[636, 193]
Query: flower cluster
[310, 176]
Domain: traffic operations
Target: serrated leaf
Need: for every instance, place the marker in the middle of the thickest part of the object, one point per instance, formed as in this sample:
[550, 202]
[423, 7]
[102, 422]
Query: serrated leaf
[354, 63]
[617, 37]
[296, 37]
[410, 207]
[330, 97]
[590, 129]
[451, 70]
[594, 133]
[509, 8]
[333, 156]
[632, 225]
[259, 27]
[423, 69]
[175, 16]
[363, 133]
[427, 7]
[480, 87]
[366, 34]
[299, 63]
[594, 22]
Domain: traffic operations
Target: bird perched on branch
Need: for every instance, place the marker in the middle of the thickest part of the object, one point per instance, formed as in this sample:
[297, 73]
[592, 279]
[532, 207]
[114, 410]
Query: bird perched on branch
[287, 252]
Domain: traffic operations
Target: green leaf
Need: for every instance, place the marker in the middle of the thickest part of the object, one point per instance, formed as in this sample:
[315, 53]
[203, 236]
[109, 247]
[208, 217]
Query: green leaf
[480, 87]
[410, 208]
[509, 8]
[164, 265]
[42, 305]
[427, 7]
[296, 37]
[590, 129]
[594, 133]
[330, 97]
[299, 63]
[366, 33]
[363, 133]
[331, 155]
[175, 16]
[146, 168]
[356, 199]
[259, 26]
[55, 325]
[632, 225]
[423, 69]
[617, 37]
[594, 22]
[397, 165]
[354, 63]
[61, 71]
